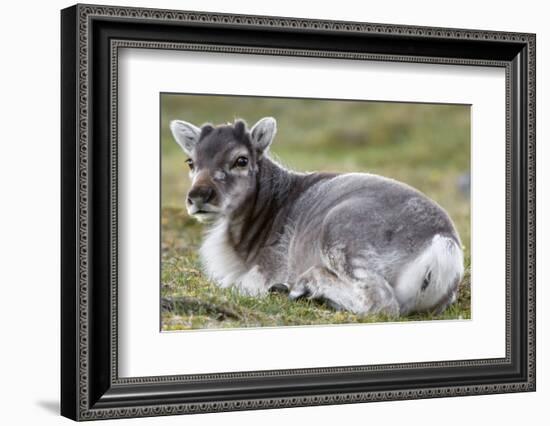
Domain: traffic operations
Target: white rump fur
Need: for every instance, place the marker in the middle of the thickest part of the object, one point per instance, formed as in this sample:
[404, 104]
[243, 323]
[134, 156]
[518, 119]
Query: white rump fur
[224, 266]
[443, 259]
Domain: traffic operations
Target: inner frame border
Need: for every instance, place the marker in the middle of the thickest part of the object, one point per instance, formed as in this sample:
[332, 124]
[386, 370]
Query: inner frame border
[117, 44]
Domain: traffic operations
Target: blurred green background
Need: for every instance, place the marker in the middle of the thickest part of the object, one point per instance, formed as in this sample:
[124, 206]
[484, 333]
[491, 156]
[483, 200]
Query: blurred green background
[424, 145]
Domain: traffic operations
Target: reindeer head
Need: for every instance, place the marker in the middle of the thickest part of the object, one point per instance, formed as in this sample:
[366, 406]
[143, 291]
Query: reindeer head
[223, 163]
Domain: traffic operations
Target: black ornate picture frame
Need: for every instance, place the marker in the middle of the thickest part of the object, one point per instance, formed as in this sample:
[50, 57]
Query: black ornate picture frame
[90, 38]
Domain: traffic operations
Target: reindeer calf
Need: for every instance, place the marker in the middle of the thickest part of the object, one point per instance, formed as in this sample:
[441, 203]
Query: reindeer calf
[361, 242]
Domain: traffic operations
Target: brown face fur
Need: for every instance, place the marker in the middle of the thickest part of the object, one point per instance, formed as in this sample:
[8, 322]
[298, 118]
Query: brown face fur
[223, 166]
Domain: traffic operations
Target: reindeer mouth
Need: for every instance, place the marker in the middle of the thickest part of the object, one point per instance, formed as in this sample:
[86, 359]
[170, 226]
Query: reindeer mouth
[204, 215]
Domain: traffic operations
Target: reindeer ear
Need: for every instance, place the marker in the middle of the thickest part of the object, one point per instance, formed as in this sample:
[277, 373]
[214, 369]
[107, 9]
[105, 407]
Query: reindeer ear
[263, 132]
[185, 134]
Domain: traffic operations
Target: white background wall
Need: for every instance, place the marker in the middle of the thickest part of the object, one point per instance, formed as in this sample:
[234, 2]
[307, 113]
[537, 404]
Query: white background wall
[29, 212]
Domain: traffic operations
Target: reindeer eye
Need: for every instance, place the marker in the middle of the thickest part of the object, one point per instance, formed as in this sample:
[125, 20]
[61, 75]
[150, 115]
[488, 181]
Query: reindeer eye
[189, 163]
[241, 162]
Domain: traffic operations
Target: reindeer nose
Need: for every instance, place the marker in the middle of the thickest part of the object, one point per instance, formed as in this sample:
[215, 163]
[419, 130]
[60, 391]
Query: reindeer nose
[200, 195]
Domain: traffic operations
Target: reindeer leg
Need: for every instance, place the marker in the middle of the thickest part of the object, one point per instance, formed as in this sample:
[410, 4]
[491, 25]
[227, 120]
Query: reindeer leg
[365, 297]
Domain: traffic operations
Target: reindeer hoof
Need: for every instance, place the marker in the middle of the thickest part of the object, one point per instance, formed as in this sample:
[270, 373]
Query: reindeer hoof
[279, 288]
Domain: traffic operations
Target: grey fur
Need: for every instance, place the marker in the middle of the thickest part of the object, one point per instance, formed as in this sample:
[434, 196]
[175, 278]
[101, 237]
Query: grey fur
[363, 243]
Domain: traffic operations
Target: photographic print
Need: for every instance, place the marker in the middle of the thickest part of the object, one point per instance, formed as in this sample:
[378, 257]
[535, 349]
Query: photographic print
[293, 212]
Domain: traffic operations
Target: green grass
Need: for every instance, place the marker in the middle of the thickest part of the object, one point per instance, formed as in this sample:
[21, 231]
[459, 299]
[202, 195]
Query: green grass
[192, 302]
[426, 146]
